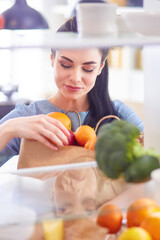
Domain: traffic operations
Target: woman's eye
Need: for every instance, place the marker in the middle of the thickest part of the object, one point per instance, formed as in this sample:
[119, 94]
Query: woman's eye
[90, 210]
[64, 211]
[90, 205]
[87, 70]
[65, 66]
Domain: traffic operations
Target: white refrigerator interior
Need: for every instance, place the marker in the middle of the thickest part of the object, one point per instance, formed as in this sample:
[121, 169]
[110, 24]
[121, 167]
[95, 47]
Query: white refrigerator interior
[151, 5]
[152, 97]
[151, 59]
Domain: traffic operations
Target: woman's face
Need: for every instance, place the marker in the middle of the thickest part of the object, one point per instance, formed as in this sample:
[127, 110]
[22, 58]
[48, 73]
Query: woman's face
[75, 71]
[75, 192]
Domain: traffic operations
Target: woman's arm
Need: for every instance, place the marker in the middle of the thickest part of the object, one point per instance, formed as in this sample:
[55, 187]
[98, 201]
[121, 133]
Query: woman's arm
[4, 135]
[126, 113]
[42, 128]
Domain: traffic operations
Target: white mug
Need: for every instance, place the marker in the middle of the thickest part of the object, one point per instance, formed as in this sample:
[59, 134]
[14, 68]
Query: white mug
[96, 19]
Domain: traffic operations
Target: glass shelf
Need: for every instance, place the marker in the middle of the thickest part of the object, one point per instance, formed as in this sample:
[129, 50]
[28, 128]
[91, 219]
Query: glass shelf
[60, 191]
[12, 39]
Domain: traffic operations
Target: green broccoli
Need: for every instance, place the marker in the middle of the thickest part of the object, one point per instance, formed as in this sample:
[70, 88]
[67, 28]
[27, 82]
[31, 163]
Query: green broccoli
[139, 151]
[114, 147]
[141, 168]
[119, 154]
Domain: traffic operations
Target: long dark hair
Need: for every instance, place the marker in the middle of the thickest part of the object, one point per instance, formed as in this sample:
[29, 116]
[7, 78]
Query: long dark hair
[100, 104]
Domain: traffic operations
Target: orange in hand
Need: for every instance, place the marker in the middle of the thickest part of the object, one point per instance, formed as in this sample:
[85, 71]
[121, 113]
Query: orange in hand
[110, 216]
[83, 134]
[63, 118]
[139, 210]
[152, 225]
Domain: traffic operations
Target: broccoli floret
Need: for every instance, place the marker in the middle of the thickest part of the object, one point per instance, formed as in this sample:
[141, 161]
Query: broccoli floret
[114, 147]
[139, 151]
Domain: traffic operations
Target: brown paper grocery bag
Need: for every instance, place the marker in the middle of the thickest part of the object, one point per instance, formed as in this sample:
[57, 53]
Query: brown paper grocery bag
[84, 229]
[35, 154]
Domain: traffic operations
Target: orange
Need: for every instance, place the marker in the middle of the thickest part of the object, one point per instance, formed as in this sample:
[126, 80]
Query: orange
[140, 209]
[110, 216]
[152, 225]
[91, 143]
[83, 134]
[63, 118]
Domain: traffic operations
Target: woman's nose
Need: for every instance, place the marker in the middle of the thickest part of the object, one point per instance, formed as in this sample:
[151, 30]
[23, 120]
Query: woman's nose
[76, 75]
[78, 208]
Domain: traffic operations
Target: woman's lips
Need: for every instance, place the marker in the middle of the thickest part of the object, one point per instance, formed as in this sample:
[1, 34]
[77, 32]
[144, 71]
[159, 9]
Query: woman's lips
[72, 88]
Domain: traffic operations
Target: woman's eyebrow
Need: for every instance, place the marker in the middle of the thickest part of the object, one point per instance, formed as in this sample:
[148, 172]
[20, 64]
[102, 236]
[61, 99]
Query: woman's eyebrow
[88, 199]
[65, 205]
[85, 63]
[67, 59]
[91, 62]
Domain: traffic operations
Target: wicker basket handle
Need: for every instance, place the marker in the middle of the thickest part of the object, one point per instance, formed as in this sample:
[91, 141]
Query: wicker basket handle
[103, 118]
[72, 110]
[139, 139]
[97, 125]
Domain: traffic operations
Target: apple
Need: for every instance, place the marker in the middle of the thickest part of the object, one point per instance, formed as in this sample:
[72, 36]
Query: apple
[1, 22]
[71, 138]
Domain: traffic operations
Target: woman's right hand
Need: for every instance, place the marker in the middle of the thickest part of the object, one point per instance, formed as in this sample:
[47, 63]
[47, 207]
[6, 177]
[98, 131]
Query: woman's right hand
[47, 130]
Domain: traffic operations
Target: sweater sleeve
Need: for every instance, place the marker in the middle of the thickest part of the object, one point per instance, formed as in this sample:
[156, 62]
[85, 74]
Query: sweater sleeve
[126, 113]
[13, 147]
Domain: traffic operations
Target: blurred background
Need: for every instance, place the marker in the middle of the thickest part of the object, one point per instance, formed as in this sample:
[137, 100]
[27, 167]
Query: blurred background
[26, 74]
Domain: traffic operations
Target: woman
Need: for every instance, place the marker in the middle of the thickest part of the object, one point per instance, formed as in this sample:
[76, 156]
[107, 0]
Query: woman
[81, 77]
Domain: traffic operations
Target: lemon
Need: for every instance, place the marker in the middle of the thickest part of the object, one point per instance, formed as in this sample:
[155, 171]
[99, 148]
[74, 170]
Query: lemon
[53, 229]
[135, 233]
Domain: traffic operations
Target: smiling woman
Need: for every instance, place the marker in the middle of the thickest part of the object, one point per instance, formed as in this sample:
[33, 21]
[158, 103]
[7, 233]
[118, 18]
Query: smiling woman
[82, 191]
[75, 75]
[81, 76]
[75, 192]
